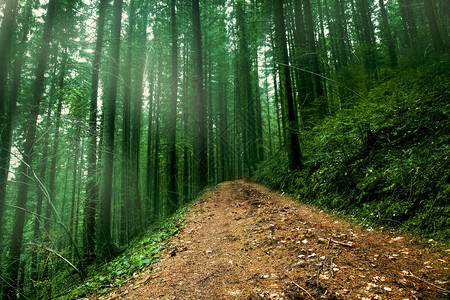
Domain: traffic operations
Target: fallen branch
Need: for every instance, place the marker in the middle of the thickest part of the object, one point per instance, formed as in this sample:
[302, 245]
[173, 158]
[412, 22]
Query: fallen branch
[340, 243]
[149, 277]
[302, 289]
[441, 290]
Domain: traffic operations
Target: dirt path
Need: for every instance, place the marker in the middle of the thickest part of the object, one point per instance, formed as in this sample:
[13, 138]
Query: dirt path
[245, 242]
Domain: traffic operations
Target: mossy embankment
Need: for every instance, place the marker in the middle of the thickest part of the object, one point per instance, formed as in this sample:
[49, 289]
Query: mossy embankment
[386, 160]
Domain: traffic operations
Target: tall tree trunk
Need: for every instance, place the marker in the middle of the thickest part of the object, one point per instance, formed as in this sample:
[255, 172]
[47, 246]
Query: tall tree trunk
[136, 213]
[186, 115]
[156, 192]
[341, 38]
[438, 44]
[91, 185]
[335, 54]
[293, 145]
[7, 31]
[106, 246]
[210, 120]
[126, 201]
[303, 80]
[246, 92]
[368, 47]
[34, 266]
[148, 178]
[281, 136]
[27, 160]
[199, 116]
[318, 90]
[387, 35]
[76, 159]
[8, 108]
[172, 173]
[409, 20]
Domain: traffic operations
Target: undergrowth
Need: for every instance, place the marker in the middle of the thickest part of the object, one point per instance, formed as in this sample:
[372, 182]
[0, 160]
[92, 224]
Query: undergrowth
[144, 252]
[386, 160]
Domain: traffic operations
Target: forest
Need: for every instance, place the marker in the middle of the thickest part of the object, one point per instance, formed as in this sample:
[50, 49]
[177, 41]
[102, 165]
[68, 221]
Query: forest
[116, 114]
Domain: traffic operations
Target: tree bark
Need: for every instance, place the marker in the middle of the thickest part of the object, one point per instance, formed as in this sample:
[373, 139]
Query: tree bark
[386, 31]
[438, 44]
[27, 160]
[91, 185]
[293, 145]
[105, 243]
[172, 185]
[199, 116]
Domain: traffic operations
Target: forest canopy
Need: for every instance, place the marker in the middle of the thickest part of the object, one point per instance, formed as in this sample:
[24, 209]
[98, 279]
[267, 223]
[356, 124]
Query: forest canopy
[114, 114]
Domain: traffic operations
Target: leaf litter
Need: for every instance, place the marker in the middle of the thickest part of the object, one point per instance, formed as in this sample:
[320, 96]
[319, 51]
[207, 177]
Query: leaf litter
[242, 241]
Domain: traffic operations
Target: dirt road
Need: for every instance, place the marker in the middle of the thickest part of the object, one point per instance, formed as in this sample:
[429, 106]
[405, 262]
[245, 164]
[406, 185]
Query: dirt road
[244, 242]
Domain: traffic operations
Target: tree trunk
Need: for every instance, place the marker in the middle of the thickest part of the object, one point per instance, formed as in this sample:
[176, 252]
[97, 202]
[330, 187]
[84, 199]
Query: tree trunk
[106, 246]
[318, 90]
[186, 115]
[8, 107]
[156, 193]
[293, 145]
[148, 179]
[28, 147]
[172, 173]
[246, 92]
[126, 201]
[7, 31]
[91, 185]
[386, 31]
[200, 137]
[438, 44]
[137, 214]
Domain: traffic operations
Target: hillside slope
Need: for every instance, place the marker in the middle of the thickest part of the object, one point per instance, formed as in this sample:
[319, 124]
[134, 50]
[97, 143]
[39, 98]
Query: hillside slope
[242, 241]
[386, 160]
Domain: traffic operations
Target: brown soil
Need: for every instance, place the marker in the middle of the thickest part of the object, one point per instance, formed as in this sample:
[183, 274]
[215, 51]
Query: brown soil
[244, 242]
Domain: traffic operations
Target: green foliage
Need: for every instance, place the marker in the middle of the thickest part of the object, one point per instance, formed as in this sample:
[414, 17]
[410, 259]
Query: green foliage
[142, 253]
[384, 161]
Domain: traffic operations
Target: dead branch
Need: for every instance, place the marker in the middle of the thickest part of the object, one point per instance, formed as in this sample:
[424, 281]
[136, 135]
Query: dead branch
[441, 290]
[59, 255]
[340, 243]
[302, 289]
[31, 212]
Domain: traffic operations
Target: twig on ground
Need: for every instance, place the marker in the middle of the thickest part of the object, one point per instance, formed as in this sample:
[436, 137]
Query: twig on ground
[302, 289]
[340, 243]
[149, 277]
[441, 290]
[331, 267]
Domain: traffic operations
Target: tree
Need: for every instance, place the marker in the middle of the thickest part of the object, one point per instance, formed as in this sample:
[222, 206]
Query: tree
[318, 90]
[172, 185]
[199, 116]
[7, 31]
[291, 122]
[246, 93]
[105, 244]
[126, 195]
[387, 35]
[434, 28]
[91, 185]
[27, 159]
